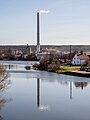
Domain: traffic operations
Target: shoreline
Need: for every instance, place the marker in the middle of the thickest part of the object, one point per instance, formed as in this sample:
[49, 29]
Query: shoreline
[77, 73]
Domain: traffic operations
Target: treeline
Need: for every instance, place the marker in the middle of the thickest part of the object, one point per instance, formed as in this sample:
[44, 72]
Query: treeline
[31, 57]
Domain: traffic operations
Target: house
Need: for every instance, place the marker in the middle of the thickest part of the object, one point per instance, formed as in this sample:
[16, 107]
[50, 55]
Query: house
[80, 59]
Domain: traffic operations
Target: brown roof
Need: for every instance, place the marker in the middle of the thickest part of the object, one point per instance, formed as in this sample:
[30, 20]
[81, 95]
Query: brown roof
[83, 57]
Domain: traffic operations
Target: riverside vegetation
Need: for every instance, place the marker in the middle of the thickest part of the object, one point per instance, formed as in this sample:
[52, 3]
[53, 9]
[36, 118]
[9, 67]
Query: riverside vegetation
[54, 65]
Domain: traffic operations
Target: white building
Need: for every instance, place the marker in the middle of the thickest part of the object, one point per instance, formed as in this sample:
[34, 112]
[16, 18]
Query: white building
[40, 55]
[80, 59]
[49, 53]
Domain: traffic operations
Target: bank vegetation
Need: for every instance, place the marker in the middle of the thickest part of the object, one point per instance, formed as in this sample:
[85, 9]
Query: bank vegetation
[54, 65]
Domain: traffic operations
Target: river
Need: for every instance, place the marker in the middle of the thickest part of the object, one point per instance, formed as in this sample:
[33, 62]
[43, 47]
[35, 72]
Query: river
[41, 95]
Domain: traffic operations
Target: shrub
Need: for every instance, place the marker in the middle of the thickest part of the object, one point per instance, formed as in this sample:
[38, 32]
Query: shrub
[27, 67]
[53, 67]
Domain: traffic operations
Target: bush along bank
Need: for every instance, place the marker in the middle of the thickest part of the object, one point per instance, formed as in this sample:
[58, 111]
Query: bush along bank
[51, 65]
[54, 65]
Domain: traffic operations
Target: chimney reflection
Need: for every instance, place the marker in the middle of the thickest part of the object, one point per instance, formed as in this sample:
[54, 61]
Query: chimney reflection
[41, 107]
[38, 92]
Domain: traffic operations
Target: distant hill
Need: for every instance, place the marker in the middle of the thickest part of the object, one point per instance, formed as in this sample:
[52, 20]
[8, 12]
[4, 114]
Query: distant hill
[85, 48]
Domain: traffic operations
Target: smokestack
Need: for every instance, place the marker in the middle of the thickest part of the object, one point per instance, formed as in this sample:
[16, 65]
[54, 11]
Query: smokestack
[38, 30]
[38, 34]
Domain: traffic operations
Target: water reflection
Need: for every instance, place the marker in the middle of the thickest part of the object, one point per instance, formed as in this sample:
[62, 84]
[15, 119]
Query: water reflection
[1, 118]
[71, 84]
[40, 106]
[38, 92]
[71, 90]
[2, 103]
[60, 92]
[81, 84]
[11, 67]
[15, 67]
[77, 85]
[4, 82]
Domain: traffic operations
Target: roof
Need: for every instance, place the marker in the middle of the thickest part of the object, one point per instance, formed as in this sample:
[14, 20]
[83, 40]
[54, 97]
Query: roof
[83, 56]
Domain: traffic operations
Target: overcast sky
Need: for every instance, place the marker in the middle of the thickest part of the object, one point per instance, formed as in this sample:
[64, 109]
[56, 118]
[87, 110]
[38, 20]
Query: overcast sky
[67, 23]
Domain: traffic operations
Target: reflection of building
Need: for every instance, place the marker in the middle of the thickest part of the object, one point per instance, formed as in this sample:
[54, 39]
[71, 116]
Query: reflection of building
[81, 84]
[71, 90]
[77, 84]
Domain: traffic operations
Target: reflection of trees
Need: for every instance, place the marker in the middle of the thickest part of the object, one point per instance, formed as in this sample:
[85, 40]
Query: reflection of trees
[3, 78]
[4, 82]
[62, 82]
[1, 118]
[2, 102]
[81, 84]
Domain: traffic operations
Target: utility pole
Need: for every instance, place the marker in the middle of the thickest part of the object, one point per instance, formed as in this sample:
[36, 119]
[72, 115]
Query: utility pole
[70, 56]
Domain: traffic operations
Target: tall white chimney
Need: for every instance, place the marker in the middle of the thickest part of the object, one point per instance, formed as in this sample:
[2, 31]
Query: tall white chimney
[38, 34]
[38, 29]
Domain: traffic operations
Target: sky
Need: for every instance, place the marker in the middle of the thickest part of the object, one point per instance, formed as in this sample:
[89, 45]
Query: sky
[67, 23]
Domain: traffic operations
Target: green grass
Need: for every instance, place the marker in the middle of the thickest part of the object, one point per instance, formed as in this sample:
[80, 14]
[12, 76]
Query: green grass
[68, 68]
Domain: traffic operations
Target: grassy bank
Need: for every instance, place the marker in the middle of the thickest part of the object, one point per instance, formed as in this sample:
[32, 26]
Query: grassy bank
[68, 69]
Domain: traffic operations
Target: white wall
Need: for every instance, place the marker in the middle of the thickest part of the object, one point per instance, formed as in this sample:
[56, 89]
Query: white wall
[77, 61]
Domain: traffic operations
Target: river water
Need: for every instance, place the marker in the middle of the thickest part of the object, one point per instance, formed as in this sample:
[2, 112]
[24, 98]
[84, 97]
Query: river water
[40, 95]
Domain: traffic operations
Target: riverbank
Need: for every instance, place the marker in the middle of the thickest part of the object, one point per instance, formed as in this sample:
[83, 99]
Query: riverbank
[69, 70]
[73, 70]
[77, 73]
